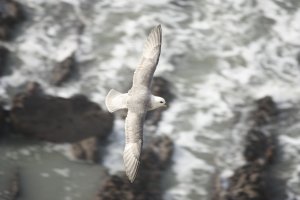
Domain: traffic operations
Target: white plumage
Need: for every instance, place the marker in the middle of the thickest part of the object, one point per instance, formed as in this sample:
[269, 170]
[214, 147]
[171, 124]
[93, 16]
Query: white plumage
[138, 101]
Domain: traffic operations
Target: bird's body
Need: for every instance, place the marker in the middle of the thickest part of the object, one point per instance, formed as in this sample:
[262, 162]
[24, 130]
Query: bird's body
[138, 101]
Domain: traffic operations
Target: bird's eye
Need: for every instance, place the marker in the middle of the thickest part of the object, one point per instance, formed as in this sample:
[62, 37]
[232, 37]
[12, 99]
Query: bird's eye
[161, 102]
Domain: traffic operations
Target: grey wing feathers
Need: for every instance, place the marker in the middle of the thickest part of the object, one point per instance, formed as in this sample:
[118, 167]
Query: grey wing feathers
[134, 142]
[153, 43]
[131, 158]
[115, 100]
[145, 70]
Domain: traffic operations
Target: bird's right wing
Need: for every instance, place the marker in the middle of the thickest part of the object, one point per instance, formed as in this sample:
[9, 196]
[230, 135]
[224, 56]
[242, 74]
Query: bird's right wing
[134, 141]
[145, 70]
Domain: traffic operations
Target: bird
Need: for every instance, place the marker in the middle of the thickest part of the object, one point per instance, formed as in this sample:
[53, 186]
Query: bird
[138, 100]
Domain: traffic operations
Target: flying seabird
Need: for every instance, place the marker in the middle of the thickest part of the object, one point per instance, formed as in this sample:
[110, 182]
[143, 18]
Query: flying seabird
[138, 101]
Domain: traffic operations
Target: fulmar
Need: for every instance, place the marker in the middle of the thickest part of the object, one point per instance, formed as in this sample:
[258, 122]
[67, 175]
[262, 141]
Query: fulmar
[138, 101]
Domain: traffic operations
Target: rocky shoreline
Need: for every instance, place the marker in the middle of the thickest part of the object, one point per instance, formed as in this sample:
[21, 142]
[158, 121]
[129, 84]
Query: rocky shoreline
[255, 180]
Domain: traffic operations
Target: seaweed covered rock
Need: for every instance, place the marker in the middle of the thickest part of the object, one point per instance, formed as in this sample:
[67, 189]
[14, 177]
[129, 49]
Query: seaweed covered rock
[160, 87]
[155, 158]
[57, 119]
[63, 70]
[11, 13]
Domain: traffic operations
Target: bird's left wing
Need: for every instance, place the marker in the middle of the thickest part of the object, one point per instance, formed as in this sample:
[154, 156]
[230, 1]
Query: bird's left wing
[134, 141]
[145, 70]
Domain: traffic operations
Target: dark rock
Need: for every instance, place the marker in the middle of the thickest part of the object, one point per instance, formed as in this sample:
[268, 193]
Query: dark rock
[3, 57]
[13, 189]
[259, 147]
[252, 181]
[160, 87]
[57, 119]
[63, 70]
[11, 13]
[86, 149]
[247, 183]
[4, 118]
[162, 148]
[155, 158]
[265, 112]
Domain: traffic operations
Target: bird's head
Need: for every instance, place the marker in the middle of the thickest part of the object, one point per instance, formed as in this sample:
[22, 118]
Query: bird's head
[157, 102]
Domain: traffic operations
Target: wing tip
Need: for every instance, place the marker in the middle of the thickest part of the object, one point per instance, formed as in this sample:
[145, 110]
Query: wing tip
[132, 161]
[131, 173]
[158, 29]
[131, 179]
[154, 39]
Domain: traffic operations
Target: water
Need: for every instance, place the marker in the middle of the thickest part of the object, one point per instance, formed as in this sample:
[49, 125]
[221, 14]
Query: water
[218, 55]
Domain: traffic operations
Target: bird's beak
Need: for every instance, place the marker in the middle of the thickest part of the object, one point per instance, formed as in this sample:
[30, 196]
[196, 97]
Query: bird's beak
[165, 106]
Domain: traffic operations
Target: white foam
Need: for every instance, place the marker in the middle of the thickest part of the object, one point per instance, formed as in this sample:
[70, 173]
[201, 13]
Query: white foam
[113, 158]
[45, 175]
[65, 172]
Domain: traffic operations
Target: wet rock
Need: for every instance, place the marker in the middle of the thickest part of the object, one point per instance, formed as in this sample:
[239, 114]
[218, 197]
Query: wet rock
[247, 183]
[38, 115]
[259, 148]
[252, 181]
[265, 112]
[163, 148]
[160, 87]
[3, 57]
[86, 149]
[63, 70]
[3, 121]
[13, 189]
[155, 158]
[11, 13]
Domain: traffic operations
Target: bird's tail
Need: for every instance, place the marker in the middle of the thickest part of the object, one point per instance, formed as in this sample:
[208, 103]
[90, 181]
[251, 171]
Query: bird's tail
[116, 100]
